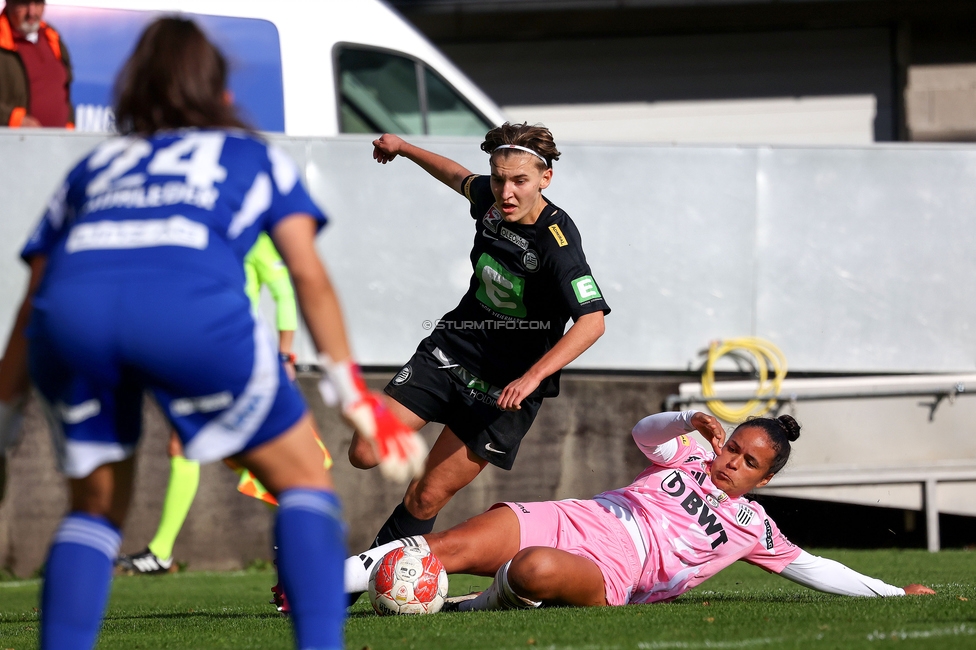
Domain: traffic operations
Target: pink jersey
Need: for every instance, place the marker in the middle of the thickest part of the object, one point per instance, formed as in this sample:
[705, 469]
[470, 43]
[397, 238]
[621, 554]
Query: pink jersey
[691, 530]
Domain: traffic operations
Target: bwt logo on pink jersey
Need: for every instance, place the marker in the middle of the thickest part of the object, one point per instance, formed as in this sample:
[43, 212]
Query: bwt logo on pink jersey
[673, 485]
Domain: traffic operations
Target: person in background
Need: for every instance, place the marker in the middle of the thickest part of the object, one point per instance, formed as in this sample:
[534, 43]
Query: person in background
[35, 69]
[263, 267]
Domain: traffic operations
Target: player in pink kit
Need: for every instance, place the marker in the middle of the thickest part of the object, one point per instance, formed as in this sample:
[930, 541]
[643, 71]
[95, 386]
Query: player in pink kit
[680, 522]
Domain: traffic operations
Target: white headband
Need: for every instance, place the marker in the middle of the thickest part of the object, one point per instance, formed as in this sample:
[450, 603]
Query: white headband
[525, 149]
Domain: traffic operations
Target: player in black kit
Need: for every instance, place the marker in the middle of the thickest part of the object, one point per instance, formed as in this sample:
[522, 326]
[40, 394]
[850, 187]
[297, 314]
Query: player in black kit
[485, 369]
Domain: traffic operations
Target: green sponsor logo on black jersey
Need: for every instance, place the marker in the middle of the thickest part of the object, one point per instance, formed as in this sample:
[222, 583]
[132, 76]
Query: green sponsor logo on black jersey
[500, 289]
[586, 289]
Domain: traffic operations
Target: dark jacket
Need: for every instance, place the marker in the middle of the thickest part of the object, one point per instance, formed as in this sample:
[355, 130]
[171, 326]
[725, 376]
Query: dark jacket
[14, 89]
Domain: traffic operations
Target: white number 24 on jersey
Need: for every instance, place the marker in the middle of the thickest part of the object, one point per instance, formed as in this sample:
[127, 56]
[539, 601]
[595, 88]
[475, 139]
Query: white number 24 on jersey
[195, 156]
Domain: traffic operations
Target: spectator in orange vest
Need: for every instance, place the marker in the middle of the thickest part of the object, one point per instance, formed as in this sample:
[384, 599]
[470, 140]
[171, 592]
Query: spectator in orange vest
[35, 70]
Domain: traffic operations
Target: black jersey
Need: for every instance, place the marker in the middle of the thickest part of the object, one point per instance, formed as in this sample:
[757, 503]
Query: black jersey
[528, 281]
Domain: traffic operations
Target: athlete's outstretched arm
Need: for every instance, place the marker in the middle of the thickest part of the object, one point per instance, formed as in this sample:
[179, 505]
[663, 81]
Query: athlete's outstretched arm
[834, 578]
[584, 333]
[388, 146]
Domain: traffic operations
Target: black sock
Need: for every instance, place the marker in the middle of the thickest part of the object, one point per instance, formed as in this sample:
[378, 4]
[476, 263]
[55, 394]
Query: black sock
[402, 524]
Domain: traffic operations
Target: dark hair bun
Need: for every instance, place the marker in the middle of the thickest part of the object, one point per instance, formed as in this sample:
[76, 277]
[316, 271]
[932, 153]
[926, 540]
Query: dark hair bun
[790, 426]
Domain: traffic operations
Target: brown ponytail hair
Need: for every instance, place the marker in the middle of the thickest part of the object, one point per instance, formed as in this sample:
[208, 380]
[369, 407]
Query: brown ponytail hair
[175, 78]
[537, 138]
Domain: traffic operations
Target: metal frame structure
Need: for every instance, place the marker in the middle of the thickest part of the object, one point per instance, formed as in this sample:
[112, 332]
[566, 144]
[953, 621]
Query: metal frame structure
[940, 387]
[928, 476]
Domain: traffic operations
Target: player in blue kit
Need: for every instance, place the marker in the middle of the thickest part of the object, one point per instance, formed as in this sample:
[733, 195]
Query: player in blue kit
[137, 283]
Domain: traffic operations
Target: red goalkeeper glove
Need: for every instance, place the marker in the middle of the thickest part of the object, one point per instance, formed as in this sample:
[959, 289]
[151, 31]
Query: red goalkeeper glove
[400, 449]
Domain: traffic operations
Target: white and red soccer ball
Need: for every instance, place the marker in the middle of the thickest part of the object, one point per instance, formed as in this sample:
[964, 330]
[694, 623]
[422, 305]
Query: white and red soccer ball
[408, 580]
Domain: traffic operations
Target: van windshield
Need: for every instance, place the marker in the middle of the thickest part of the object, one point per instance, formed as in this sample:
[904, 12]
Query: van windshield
[384, 92]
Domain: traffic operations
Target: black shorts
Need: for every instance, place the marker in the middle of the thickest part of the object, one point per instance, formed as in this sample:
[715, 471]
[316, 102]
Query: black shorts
[436, 389]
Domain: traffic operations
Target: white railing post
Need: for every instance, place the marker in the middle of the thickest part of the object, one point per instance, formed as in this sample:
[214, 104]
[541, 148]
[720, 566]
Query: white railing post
[932, 514]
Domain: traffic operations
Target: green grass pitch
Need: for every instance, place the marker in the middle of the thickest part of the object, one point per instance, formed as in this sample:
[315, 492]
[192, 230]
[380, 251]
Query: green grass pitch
[742, 607]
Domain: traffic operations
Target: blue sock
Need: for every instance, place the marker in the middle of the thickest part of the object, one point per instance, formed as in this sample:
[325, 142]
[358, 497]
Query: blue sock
[77, 578]
[311, 556]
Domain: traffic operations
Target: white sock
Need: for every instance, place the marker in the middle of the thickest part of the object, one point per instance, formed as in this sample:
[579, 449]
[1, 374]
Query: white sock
[359, 567]
[499, 595]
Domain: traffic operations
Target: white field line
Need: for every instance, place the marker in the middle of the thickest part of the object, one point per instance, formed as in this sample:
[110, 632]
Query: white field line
[180, 575]
[902, 635]
[190, 575]
[695, 645]
[19, 583]
[574, 647]
[665, 645]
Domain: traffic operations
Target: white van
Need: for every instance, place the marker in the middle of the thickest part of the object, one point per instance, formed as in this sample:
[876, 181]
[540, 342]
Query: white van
[300, 67]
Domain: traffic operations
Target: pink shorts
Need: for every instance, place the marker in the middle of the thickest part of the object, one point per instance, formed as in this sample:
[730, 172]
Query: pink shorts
[587, 529]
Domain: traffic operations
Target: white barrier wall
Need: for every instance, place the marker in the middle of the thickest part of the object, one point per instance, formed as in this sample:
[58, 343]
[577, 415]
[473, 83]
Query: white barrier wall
[851, 260]
[33, 163]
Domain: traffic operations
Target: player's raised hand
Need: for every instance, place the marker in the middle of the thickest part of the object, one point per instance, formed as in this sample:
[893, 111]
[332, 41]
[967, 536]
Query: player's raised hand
[710, 428]
[386, 148]
[918, 590]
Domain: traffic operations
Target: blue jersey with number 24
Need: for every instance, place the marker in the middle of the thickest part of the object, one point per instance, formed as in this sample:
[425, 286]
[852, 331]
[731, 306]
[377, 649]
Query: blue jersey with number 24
[188, 200]
[144, 290]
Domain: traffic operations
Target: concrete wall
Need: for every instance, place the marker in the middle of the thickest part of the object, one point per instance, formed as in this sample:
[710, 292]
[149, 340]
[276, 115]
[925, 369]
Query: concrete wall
[941, 102]
[580, 445]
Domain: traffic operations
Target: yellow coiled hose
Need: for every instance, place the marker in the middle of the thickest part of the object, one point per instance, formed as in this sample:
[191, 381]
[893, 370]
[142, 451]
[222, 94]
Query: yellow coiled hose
[766, 356]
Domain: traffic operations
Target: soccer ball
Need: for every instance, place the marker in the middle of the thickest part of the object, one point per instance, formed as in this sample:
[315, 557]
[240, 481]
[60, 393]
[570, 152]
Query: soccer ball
[408, 580]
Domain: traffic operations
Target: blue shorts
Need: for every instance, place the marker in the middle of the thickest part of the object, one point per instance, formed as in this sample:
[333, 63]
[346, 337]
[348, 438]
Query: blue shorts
[99, 341]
